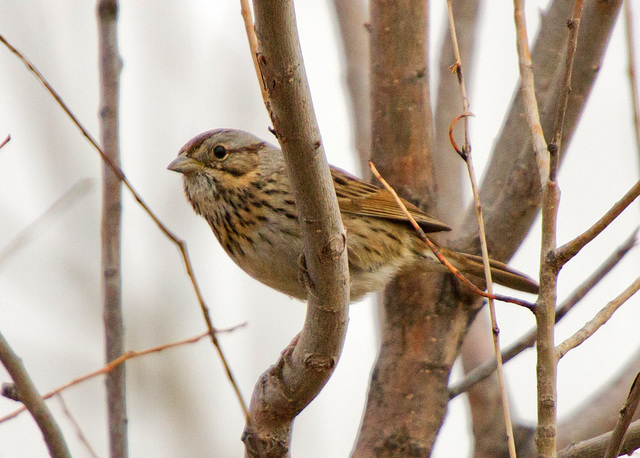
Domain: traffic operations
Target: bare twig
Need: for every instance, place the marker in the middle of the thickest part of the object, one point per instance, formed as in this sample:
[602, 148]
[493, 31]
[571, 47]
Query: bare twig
[528, 340]
[115, 363]
[633, 81]
[436, 251]
[245, 11]
[81, 437]
[282, 392]
[596, 446]
[70, 197]
[563, 100]
[528, 92]
[448, 173]
[567, 251]
[597, 321]
[29, 396]
[182, 246]
[5, 141]
[626, 414]
[468, 158]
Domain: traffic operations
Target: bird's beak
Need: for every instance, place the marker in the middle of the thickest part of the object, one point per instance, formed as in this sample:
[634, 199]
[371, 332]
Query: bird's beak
[184, 164]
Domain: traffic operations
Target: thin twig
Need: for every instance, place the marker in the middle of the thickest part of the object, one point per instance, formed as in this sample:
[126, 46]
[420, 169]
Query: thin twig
[483, 371]
[528, 92]
[626, 414]
[182, 246]
[81, 437]
[5, 141]
[64, 202]
[597, 321]
[633, 81]
[115, 363]
[563, 100]
[567, 251]
[31, 400]
[436, 251]
[468, 158]
[245, 11]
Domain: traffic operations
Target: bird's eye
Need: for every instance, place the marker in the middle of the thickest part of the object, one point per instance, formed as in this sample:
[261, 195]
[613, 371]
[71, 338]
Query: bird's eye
[220, 152]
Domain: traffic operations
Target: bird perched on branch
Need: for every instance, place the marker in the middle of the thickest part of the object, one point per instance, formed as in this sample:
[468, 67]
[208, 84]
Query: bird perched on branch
[239, 184]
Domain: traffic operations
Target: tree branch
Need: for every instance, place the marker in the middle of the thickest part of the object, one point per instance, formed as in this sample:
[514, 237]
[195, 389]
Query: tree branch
[285, 389]
[596, 446]
[626, 414]
[110, 65]
[481, 372]
[29, 396]
[573, 247]
[597, 321]
[180, 244]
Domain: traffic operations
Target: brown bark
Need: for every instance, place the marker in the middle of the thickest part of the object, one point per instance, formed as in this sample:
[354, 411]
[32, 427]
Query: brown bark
[299, 375]
[403, 415]
[29, 396]
[110, 66]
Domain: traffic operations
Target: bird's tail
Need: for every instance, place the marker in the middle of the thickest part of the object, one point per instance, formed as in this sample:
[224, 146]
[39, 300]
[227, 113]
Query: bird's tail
[502, 274]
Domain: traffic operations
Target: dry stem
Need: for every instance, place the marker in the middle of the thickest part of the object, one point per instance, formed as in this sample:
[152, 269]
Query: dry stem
[115, 363]
[626, 414]
[29, 396]
[598, 320]
[467, 156]
[567, 251]
[182, 246]
[528, 91]
[529, 339]
[633, 82]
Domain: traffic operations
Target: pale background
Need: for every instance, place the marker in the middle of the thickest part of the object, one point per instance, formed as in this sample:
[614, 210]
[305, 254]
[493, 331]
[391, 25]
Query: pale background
[187, 69]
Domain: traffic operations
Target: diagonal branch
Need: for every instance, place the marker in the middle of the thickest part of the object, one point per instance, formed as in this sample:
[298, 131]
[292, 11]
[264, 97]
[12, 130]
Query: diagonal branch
[596, 446]
[117, 362]
[528, 340]
[182, 246]
[29, 396]
[573, 247]
[626, 414]
[597, 321]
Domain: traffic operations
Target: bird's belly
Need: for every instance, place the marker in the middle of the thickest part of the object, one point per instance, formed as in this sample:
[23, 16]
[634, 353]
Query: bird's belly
[275, 264]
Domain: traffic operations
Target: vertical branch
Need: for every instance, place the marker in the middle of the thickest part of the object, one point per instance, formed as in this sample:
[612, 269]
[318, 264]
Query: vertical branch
[299, 375]
[547, 355]
[407, 395]
[633, 77]
[448, 171]
[110, 66]
[29, 396]
[468, 158]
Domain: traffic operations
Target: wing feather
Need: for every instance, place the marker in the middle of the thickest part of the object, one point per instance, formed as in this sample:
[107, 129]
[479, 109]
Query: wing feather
[360, 198]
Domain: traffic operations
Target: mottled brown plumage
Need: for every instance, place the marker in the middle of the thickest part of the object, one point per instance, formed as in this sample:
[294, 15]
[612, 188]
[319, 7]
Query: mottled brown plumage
[239, 184]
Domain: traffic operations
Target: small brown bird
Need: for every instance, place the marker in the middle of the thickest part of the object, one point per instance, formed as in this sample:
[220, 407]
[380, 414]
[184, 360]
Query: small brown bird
[239, 184]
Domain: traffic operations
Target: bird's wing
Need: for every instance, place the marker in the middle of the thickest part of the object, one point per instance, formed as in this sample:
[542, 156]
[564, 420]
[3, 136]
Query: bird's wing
[360, 198]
